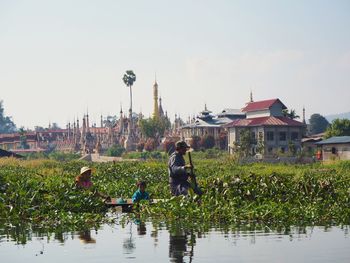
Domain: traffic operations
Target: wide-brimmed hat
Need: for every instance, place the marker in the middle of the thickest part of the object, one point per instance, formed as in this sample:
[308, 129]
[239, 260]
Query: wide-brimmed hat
[183, 145]
[84, 169]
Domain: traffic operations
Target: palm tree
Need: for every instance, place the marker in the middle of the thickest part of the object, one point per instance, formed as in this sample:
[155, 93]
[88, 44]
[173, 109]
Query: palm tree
[290, 114]
[129, 79]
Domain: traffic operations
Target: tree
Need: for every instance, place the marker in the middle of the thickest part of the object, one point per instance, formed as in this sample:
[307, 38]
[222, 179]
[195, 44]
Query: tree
[115, 150]
[339, 127]
[140, 146]
[260, 145]
[245, 143]
[129, 78]
[169, 146]
[290, 114]
[223, 140]
[23, 138]
[154, 127]
[318, 123]
[195, 142]
[292, 148]
[150, 144]
[208, 141]
[6, 124]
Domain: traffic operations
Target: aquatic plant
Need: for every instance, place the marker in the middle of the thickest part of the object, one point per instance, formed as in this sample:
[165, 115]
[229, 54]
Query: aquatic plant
[41, 194]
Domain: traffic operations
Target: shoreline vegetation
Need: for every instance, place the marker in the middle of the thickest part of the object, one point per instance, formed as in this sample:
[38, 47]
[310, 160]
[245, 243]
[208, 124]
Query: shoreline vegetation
[40, 195]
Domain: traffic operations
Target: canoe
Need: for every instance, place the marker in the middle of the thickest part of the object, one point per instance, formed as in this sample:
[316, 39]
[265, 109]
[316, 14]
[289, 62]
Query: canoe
[114, 202]
[128, 202]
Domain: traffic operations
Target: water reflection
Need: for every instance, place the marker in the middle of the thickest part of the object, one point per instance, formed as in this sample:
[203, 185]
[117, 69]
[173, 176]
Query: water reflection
[138, 240]
[141, 228]
[85, 237]
[181, 244]
[129, 242]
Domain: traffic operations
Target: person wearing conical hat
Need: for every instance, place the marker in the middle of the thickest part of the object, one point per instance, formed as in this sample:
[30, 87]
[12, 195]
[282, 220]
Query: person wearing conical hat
[83, 181]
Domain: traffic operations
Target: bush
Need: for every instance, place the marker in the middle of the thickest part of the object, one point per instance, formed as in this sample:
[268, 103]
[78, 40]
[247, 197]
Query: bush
[55, 155]
[63, 157]
[115, 150]
[145, 155]
[150, 144]
[140, 146]
[195, 142]
[169, 147]
[208, 142]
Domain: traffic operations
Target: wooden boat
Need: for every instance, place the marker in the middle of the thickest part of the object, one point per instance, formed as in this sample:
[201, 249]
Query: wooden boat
[127, 204]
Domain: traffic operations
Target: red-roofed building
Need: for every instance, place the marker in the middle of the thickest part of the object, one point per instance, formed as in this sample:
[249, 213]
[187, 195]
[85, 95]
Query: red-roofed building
[264, 108]
[271, 131]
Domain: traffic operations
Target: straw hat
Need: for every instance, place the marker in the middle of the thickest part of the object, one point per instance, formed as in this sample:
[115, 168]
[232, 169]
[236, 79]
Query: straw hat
[84, 169]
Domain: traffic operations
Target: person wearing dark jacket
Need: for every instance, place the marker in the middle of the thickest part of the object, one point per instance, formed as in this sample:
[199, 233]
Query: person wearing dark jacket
[179, 170]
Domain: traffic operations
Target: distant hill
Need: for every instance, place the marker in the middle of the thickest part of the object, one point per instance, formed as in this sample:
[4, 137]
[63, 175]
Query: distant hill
[345, 115]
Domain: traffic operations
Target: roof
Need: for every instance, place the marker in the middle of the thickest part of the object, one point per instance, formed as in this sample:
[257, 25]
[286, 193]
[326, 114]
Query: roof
[311, 139]
[202, 123]
[265, 121]
[228, 111]
[262, 105]
[4, 153]
[211, 121]
[335, 140]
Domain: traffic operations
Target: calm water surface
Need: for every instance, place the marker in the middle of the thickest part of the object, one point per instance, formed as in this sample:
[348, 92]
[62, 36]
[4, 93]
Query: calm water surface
[144, 243]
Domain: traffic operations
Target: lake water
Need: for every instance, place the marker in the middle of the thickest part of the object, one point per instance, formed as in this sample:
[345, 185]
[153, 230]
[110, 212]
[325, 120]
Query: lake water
[145, 243]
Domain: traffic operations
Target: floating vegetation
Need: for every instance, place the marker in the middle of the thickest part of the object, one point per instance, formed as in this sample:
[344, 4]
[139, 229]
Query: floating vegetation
[41, 194]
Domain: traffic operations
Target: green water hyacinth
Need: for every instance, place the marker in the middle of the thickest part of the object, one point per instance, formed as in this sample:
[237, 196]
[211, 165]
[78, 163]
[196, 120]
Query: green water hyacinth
[42, 194]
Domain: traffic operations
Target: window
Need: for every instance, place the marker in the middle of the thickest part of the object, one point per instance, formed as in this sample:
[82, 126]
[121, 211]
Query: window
[270, 136]
[253, 135]
[334, 150]
[283, 136]
[294, 136]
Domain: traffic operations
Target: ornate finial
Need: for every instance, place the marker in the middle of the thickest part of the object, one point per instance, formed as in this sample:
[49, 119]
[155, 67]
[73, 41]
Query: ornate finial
[205, 107]
[304, 115]
[251, 96]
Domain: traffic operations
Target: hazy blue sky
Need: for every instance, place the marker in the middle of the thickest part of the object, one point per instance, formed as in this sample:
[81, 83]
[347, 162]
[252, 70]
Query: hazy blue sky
[58, 58]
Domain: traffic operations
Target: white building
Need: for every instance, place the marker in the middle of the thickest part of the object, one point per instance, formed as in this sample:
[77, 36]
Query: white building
[268, 126]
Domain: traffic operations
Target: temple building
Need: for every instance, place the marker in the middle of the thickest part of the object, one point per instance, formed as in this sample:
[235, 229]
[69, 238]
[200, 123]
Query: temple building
[206, 124]
[84, 137]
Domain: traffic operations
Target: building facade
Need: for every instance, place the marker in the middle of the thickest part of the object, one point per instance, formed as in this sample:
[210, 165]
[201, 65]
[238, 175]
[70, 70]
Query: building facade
[206, 124]
[335, 148]
[271, 131]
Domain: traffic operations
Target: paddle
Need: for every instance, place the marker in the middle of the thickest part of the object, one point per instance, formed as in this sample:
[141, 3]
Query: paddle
[192, 175]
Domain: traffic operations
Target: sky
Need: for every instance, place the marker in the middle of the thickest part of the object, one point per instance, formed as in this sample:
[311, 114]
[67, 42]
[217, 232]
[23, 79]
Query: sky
[61, 59]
